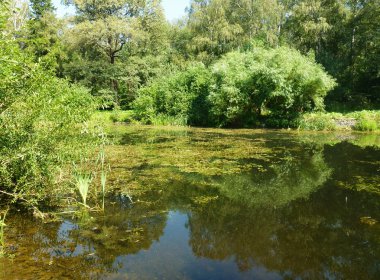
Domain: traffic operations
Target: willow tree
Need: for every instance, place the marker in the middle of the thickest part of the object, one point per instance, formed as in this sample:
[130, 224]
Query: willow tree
[105, 26]
[258, 19]
[106, 36]
[213, 34]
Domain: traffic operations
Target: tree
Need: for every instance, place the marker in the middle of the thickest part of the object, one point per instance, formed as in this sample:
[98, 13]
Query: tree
[258, 19]
[106, 35]
[19, 16]
[41, 38]
[308, 25]
[212, 32]
[40, 7]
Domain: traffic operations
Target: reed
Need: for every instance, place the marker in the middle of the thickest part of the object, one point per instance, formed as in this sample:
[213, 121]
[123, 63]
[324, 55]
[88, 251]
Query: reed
[83, 182]
[103, 179]
[2, 225]
[103, 170]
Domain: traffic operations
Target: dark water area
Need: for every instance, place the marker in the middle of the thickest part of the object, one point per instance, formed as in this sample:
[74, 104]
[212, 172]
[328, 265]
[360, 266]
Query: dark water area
[217, 204]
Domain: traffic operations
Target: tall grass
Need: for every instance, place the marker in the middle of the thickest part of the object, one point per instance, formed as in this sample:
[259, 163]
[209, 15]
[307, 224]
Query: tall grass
[2, 225]
[103, 179]
[360, 120]
[166, 120]
[103, 170]
[103, 173]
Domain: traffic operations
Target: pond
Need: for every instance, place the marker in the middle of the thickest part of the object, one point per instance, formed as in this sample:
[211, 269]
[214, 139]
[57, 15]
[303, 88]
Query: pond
[217, 204]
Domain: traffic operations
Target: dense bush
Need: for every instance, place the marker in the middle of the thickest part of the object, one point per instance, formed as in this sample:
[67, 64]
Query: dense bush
[240, 89]
[279, 83]
[40, 131]
[180, 97]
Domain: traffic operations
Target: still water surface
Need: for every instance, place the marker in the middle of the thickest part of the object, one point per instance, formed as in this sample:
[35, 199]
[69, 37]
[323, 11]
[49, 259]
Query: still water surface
[217, 204]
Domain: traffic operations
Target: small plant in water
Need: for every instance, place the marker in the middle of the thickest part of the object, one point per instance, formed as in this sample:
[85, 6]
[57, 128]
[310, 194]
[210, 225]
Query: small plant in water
[2, 225]
[83, 184]
[103, 179]
[103, 168]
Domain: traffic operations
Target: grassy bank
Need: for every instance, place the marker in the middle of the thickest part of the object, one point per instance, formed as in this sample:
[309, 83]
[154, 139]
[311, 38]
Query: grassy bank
[358, 121]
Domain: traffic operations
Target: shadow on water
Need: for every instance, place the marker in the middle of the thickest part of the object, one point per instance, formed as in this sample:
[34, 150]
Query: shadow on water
[218, 204]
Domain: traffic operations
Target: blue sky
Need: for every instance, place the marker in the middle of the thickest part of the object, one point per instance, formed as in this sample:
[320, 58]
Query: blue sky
[174, 9]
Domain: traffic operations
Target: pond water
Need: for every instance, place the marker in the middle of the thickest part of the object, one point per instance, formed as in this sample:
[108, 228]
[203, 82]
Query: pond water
[217, 204]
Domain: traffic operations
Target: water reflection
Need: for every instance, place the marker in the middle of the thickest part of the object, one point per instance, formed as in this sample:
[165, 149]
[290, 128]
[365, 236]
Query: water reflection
[218, 205]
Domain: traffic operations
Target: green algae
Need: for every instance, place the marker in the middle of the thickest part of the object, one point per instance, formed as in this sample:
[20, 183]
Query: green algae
[246, 197]
[258, 167]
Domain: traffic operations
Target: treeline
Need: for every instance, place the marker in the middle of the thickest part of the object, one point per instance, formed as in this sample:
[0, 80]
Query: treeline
[116, 47]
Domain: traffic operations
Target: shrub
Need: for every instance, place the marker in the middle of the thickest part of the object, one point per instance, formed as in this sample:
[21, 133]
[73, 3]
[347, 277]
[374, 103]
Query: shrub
[280, 81]
[41, 124]
[238, 89]
[162, 119]
[365, 124]
[181, 95]
[317, 121]
[366, 120]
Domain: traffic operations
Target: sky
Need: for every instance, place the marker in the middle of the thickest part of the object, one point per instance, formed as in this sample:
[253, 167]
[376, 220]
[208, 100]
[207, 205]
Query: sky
[174, 9]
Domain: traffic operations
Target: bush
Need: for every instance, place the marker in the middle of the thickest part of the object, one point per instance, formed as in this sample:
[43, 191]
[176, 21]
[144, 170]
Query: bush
[365, 124]
[366, 120]
[162, 119]
[318, 121]
[181, 95]
[240, 89]
[41, 127]
[361, 120]
[280, 81]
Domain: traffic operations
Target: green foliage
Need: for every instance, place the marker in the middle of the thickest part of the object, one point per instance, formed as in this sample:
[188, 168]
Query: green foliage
[344, 36]
[41, 7]
[360, 120]
[3, 215]
[239, 89]
[121, 116]
[83, 182]
[180, 98]
[279, 81]
[41, 121]
[366, 120]
[42, 42]
[115, 46]
[366, 125]
[212, 34]
[162, 119]
[317, 121]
